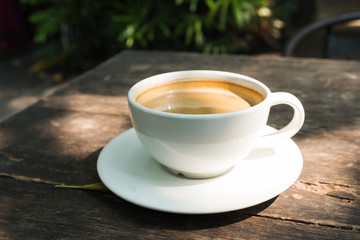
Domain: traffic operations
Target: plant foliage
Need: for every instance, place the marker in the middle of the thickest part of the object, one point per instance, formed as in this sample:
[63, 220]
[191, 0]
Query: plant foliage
[92, 29]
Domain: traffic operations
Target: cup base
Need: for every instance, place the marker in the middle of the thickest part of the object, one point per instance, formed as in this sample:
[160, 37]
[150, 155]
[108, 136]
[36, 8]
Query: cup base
[189, 175]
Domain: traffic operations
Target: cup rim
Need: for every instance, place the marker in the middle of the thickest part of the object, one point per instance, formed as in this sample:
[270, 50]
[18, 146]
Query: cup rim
[213, 74]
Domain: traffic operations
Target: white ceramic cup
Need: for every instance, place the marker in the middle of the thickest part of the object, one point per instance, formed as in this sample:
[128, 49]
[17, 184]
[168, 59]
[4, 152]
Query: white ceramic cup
[207, 145]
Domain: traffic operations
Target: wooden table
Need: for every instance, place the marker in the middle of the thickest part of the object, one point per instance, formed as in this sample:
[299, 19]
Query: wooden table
[58, 140]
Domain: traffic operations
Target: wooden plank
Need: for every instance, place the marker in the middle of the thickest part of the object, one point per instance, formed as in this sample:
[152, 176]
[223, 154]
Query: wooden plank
[147, 63]
[58, 141]
[78, 166]
[319, 204]
[331, 113]
[40, 211]
[115, 105]
[280, 74]
[57, 145]
[328, 89]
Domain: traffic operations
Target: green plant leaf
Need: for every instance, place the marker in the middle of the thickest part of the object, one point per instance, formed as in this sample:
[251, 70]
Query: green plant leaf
[193, 5]
[164, 28]
[213, 9]
[224, 15]
[237, 13]
[199, 37]
[95, 186]
[189, 34]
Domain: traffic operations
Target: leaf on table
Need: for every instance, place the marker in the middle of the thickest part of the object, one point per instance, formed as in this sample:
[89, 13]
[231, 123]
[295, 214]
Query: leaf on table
[94, 186]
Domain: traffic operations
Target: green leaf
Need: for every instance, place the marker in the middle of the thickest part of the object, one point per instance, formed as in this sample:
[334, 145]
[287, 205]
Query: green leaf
[237, 13]
[179, 2]
[189, 34]
[213, 9]
[193, 5]
[199, 37]
[129, 42]
[165, 29]
[224, 15]
[95, 186]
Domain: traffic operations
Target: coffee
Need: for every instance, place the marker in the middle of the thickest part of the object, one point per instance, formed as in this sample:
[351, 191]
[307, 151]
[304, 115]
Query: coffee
[199, 96]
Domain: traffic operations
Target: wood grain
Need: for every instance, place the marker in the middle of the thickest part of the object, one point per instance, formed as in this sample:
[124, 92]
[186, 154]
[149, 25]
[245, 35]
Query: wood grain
[41, 211]
[58, 140]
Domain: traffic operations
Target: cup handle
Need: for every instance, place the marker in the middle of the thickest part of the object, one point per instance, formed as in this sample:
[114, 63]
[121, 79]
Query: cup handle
[293, 126]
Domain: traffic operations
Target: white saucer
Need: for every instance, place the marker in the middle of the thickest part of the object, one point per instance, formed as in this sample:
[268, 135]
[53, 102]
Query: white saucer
[129, 172]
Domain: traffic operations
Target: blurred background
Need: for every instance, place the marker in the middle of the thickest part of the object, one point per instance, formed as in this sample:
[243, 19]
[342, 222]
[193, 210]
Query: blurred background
[44, 43]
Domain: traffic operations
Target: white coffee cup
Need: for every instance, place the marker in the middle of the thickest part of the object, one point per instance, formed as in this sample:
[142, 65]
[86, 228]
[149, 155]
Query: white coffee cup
[207, 145]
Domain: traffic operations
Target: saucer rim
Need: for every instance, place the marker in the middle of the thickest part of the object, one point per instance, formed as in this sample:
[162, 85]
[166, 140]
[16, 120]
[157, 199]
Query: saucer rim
[180, 210]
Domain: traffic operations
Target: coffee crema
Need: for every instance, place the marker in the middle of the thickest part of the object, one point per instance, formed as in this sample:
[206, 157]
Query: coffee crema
[192, 96]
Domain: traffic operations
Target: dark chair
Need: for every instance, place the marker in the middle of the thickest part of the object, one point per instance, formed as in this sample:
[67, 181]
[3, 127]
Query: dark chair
[338, 41]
